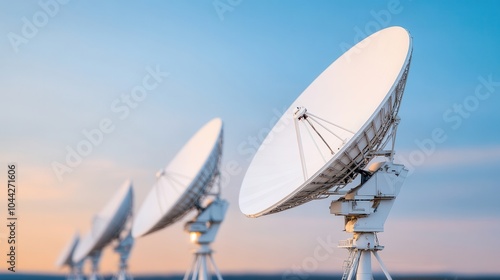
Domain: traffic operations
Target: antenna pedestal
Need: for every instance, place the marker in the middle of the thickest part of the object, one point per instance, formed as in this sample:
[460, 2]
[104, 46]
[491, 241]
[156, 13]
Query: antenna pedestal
[123, 248]
[95, 257]
[76, 271]
[200, 267]
[365, 209]
[202, 231]
[359, 262]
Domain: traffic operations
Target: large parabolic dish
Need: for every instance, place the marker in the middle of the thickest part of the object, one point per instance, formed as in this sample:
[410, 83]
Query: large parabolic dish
[108, 223]
[332, 129]
[186, 179]
[66, 257]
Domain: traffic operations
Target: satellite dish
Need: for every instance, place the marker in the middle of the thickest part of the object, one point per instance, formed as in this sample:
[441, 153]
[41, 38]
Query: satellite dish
[106, 226]
[66, 259]
[186, 179]
[326, 138]
[332, 129]
[66, 255]
[181, 187]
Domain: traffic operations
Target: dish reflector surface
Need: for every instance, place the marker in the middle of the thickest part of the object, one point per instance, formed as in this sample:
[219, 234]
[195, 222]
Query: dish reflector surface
[349, 107]
[66, 255]
[185, 180]
[108, 223]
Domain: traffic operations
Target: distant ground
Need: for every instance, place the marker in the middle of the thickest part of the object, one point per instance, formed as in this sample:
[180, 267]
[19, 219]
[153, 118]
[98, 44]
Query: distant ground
[18, 276]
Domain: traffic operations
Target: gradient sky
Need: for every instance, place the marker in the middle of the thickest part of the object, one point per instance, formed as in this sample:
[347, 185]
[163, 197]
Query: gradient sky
[245, 64]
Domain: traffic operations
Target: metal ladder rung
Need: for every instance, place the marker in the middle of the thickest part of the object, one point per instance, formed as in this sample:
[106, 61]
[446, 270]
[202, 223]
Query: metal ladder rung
[348, 263]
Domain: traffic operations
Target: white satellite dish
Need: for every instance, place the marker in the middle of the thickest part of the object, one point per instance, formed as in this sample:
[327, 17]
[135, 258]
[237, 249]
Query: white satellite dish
[106, 227]
[181, 187]
[66, 259]
[333, 130]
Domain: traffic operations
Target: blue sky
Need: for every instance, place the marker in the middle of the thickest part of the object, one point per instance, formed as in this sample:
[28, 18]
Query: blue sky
[244, 65]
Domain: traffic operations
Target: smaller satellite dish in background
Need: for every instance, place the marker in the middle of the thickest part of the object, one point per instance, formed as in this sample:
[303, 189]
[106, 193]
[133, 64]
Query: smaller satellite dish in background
[181, 187]
[107, 226]
[66, 259]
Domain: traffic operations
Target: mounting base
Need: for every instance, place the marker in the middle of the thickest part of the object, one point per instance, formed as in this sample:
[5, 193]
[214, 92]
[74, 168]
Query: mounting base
[365, 209]
[76, 272]
[359, 261]
[202, 231]
[123, 248]
[95, 257]
[200, 268]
